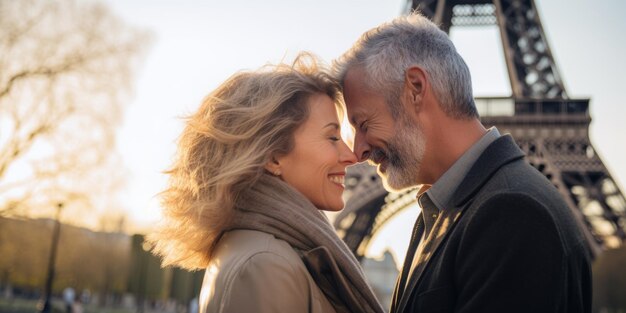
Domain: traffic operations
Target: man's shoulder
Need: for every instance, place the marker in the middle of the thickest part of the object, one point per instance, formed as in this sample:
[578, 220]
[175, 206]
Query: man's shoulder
[518, 191]
[520, 178]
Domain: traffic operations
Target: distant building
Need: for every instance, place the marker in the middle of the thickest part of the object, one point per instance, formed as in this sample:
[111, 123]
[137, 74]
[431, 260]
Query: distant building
[381, 274]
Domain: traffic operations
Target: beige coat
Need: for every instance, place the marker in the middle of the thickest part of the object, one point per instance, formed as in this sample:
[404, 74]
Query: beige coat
[253, 271]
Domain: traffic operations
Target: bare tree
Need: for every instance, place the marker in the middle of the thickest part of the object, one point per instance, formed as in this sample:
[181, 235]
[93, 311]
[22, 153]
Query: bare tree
[66, 72]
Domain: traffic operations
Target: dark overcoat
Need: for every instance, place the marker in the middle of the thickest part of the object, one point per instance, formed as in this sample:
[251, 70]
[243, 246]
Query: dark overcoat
[509, 244]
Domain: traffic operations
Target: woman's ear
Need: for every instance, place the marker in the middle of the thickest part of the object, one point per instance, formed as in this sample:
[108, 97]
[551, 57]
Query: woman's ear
[273, 166]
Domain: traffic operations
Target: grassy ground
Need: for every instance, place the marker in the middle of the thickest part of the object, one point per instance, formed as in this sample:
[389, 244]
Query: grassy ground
[21, 306]
[30, 306]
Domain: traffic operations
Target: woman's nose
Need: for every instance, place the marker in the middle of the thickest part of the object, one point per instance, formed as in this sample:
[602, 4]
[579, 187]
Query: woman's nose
[347, 156]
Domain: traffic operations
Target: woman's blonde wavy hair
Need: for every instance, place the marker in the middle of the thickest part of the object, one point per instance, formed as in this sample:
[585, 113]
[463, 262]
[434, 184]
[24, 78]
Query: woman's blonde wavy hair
[223, 149]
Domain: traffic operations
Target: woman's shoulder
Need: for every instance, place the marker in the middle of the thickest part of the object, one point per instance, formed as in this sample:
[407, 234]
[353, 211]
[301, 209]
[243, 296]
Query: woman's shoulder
[242, 245]
[253, 265]
[255, 253]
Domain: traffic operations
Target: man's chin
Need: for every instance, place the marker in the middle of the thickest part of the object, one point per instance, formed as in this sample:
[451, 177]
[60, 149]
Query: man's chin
[389, 187]
[391, 183]
[381, 169]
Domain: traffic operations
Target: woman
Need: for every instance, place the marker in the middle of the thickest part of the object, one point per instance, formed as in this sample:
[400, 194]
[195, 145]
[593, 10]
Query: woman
[256, 164]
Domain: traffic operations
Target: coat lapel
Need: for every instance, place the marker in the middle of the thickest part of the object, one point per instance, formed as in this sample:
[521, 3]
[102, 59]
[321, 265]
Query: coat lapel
[502, 151]
[442, 226]
[418, 231]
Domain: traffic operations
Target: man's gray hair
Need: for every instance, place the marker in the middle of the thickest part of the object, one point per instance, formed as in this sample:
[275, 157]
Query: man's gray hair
[386, 52]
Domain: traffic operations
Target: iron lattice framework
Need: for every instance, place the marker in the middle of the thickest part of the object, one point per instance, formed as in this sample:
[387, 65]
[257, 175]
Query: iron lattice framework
[550, 128]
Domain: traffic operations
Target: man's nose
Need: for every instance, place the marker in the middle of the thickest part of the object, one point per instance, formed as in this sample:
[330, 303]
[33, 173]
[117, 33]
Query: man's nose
[361, 148]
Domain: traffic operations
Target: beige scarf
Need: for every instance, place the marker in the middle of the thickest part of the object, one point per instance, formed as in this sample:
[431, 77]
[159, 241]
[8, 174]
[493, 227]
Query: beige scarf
[274, 207]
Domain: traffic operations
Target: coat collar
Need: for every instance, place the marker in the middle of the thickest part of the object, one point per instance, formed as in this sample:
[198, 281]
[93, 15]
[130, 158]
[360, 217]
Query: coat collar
[502, 151]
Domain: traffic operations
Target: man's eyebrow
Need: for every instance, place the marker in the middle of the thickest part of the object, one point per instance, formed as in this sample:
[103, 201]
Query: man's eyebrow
[354, 118]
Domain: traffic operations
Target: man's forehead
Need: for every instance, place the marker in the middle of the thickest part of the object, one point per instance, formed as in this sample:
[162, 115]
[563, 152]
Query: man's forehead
[357, 95]
[355, 77]
[357, 113]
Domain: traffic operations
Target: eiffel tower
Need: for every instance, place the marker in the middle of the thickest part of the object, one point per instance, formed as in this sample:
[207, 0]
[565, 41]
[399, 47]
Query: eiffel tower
[551, 128]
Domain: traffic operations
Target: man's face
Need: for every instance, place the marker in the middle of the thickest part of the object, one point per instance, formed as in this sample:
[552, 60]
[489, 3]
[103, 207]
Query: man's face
[395, 145]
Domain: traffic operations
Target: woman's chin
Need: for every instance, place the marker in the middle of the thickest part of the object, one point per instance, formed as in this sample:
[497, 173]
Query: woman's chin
[335, 208]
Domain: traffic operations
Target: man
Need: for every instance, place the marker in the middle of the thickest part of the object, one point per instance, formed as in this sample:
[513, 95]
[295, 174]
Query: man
[494, 235]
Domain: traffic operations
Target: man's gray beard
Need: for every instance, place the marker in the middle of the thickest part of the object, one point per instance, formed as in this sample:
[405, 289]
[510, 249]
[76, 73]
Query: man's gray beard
[406, 151]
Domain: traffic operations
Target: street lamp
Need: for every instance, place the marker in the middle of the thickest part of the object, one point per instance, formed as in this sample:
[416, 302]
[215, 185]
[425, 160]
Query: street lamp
[44, 304]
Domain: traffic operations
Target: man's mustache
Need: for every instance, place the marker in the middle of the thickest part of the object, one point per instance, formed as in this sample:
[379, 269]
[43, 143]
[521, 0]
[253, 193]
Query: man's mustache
[377, 155]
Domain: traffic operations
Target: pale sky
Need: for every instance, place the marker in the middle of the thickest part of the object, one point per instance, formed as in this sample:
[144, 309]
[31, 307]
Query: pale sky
[198, 44]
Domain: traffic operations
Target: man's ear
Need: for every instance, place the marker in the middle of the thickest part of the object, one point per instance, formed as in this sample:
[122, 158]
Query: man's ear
[273, 166]
[415, 83]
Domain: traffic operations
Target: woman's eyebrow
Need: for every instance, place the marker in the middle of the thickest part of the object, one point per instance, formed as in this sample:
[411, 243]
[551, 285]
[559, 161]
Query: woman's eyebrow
[332, 124]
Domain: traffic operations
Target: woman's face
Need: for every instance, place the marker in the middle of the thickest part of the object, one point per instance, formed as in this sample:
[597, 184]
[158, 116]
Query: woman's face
[317, 164]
